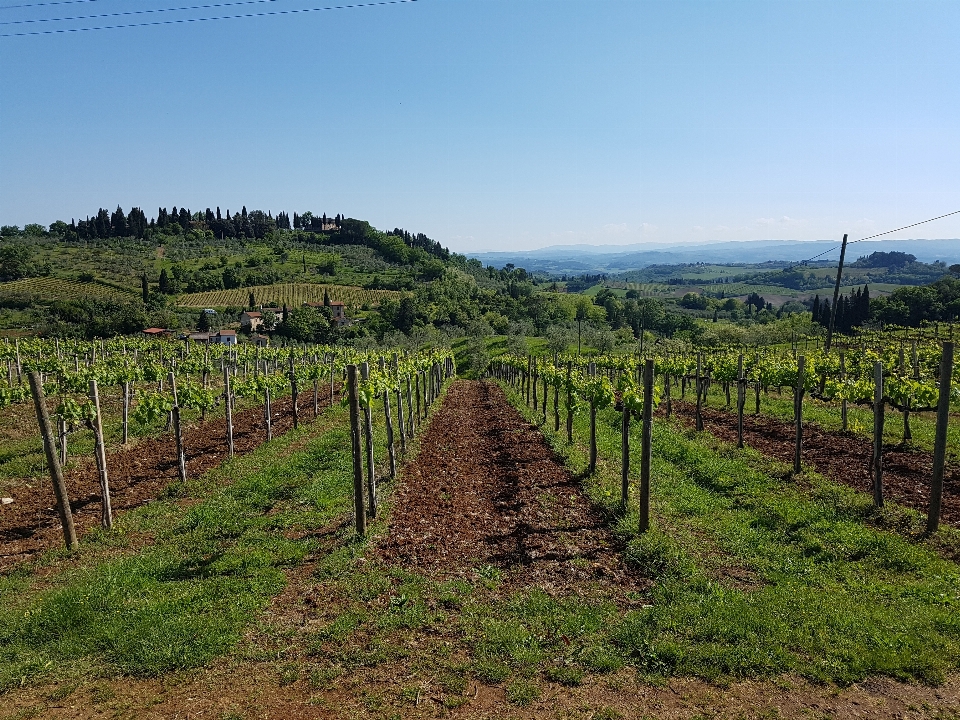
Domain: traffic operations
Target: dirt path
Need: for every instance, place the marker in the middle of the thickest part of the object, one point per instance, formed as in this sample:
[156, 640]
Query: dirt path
[843, 457]
[138, 474]
[486, 490]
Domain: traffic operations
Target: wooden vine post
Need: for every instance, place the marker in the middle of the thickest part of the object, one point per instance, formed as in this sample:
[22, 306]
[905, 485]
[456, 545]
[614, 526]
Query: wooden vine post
[400, 425]
[534, 378]
[368, 444]
[593, 424]
[267, 413]
[53, 462]
[646, 442]
[940, 438]
[878, 407]
[699, 388]
[798, 414]
[413, 423]
[353, 398]
[388, 418]
[294, 394]
[228, 408]
[741, 399]
[625, 458]
[126, 412]
[556, 402]
[178, 430]
[843, 401]
[99, 450]
[569, 402]
[666, 394]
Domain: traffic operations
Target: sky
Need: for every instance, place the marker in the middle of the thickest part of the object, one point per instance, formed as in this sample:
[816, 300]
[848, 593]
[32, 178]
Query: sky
[495, 124]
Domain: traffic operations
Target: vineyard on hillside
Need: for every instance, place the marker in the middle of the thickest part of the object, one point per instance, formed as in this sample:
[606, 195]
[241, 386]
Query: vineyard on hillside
[54, 288]
[289, 294]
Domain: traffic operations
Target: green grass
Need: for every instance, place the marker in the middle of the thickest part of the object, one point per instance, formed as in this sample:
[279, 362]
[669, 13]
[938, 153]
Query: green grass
[208, 569]
[757, 576]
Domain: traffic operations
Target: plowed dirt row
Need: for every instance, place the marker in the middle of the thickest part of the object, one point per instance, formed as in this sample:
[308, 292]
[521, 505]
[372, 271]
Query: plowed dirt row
[137, 474]
[843, 457]
[486, 490]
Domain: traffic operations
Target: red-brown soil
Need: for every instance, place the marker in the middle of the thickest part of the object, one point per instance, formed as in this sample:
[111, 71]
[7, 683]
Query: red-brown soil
[486, 490]
[137, 475]
[844, 457]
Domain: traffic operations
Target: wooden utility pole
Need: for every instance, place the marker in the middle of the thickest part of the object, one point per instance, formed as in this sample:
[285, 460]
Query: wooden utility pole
[53, 462]
[836, 295]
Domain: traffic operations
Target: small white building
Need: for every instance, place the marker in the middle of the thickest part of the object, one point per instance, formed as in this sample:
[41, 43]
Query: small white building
[225, 337]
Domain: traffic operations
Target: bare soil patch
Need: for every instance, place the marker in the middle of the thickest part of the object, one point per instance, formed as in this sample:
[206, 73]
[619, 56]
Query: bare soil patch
[844, 457]
[138, 474]
[487, 490]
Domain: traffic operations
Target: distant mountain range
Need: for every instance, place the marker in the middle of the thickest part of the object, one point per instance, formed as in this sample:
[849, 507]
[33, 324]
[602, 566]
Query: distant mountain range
[577, 259]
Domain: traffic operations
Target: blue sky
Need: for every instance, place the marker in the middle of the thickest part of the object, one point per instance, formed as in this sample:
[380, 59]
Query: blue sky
[498, 124]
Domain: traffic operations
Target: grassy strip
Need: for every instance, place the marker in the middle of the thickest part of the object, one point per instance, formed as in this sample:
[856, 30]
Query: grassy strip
[757, 576]
[209, 568]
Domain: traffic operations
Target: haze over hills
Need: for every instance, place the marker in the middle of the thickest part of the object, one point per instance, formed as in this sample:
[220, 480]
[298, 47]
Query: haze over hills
[575, 259]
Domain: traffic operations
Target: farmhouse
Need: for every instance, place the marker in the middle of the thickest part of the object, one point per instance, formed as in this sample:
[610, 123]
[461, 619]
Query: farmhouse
[260, 340]
[251, 320]
[339, 311]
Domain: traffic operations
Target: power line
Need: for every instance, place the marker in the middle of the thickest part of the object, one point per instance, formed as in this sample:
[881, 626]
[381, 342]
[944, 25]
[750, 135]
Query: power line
[837, 247]
[44, 4]
[182, 21]
[136, 12]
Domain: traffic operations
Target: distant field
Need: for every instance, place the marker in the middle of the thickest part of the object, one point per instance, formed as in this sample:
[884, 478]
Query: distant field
[290, 294]
[645, 289]
[53, 288]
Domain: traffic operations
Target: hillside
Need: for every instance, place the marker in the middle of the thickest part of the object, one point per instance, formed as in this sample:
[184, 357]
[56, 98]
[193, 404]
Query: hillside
[118, 273]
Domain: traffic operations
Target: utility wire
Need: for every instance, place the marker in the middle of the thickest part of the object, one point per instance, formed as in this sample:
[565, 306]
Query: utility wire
[136, 12]
[837, 247]
[44, 4]
[206, 19]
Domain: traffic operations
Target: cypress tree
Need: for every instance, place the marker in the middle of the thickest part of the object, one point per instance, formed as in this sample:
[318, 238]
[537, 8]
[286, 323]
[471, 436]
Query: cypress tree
[816, 308]
[144, 288]
[164, 282]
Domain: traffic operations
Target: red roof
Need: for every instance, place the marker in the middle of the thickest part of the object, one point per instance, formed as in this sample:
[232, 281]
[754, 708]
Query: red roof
[253, 313]
[155, 331]
[227, 332]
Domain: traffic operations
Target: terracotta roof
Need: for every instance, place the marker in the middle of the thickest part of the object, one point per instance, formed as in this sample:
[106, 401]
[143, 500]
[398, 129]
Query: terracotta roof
[154, 331]
[253, 313]
[227, 332]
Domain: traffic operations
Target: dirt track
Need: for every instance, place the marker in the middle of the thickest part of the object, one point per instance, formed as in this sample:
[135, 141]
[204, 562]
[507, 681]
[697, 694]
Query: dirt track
[486, 490]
